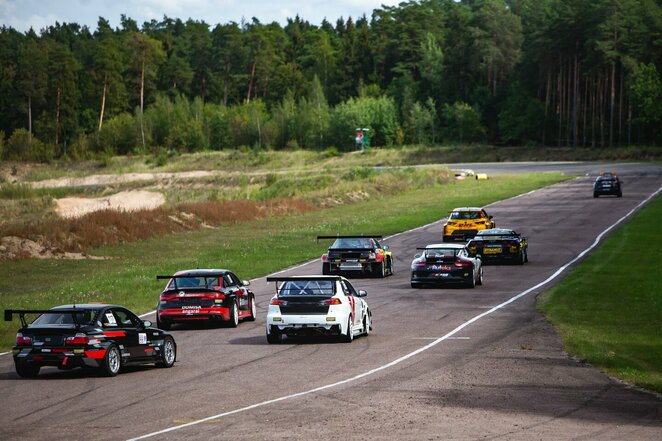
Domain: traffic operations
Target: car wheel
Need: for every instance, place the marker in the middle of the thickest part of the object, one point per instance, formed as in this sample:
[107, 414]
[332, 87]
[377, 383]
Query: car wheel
[168, 353]
[620, 195]
[378, 270]
[162, 324]
[526, 255]
[447, 239]
[233, 322]
[390, 266]
[471, 283]
[366, 325]
[251, 318]
[595, 195]
[415, 285]
[520, 258]
[349, 335]
[479, 279]
[274, 338]
[111, 362]
[27, 370]
[326, 269]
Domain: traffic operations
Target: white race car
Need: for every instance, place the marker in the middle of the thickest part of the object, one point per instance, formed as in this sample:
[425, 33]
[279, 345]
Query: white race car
[317, 305]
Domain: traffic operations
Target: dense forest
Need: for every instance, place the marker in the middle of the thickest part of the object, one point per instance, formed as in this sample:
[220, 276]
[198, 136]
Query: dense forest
[582, 73]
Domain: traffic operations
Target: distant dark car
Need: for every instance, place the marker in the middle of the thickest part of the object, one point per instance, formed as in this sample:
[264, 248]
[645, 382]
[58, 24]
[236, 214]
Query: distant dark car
[607, 184]
[99, 336]
[357, 255]
[215, 295]
[446, 263]
[500, 244]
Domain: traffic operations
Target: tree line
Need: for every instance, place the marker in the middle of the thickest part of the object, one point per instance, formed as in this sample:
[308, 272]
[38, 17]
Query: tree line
[539, 72]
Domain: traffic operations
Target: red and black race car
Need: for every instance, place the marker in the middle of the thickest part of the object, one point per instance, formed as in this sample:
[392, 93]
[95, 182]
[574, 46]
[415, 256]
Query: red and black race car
[500, 244]
[444, 263]
[98, 336]
[216, 295]
[357, 255]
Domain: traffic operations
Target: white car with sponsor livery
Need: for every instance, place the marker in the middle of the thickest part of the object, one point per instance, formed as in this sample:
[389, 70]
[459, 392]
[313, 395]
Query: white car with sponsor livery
[317, 305]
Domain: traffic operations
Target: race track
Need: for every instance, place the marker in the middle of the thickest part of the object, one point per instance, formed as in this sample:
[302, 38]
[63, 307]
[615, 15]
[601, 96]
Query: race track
[502, 376]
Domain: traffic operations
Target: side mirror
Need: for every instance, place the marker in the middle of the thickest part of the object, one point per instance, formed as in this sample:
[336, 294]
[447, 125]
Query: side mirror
[416, 256]
[147, 324]
[479, 257]
[490, 217]
[245, 282]
[386, 247]
[361, 293]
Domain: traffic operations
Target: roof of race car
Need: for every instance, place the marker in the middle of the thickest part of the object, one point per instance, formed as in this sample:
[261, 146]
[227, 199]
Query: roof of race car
[466, 209]
[201, 272]
[310, 277]
[86, 306]
[496, 232]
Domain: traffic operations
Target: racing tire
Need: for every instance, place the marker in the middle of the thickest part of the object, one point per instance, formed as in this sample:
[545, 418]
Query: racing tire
[521, 259]
[274, 338]
[27, 370]
[111, 363]
[619, 195]
[390, 267]
[378, 270]
[366, 325]
[233, 321]
[416, 285]
[326, 268]
[472, 282]
[162, 324]
[526, 255]
[168, 353]
[447, 239]
[251, 318]
[595, 195]
[479, 279]
[349, 335]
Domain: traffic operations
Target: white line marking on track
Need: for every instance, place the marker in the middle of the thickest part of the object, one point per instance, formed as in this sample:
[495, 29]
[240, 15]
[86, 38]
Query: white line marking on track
[436, 338]
[416, 352]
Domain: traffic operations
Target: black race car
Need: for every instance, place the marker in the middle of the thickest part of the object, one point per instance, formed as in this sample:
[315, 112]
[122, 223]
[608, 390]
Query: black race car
[444, 263]
[357, 255]
[215, 295]
[499, 244]
[99, 336]
[607, 184]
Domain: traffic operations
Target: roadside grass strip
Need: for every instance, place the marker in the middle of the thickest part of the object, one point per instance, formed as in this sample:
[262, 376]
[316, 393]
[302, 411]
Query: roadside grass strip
[608, 310]
[412, 354]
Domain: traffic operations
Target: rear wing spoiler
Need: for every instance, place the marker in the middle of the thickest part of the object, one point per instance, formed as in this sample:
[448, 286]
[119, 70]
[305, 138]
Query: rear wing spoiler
[278, 279]
[498, 235]
[21, 313]
[359, 236]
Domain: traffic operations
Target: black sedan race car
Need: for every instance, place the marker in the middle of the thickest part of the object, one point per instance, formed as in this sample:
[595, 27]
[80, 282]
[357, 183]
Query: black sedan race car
[607, 184]
[98, 336]
[446, 263]
[205, 295]
[357, 255]
[500, 244]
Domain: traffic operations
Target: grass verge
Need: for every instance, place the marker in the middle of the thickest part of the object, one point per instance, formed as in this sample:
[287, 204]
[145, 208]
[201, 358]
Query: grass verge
[252, 248]
[609, 308]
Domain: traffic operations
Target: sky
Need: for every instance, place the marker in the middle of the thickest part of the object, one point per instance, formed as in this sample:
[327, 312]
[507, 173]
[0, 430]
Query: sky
[38, 14]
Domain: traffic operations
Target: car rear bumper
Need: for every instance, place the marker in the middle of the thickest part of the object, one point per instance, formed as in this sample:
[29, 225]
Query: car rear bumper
[178, 315]
[306, 324]
[60, 357]
[440, 277]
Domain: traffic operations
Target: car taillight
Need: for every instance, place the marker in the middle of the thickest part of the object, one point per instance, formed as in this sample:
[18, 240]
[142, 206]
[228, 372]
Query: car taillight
[78, 339]
[421, 264]
[325, 257]
[333, 301]
[509, 243]
[462, 264]
[220, 295]
[23, 339]
[277, 301]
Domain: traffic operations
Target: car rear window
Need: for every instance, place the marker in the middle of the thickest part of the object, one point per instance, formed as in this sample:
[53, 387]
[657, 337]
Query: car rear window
[66, 318]
[193, 282]
[441, 252]
[353, 243]
[307, 288]
[465, 215]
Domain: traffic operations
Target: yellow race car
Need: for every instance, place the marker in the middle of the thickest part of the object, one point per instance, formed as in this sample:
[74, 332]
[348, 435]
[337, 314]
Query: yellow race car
[464, 222]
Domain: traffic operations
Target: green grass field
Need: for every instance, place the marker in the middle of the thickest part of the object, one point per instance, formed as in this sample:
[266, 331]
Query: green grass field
[609, 309]
[252, 249]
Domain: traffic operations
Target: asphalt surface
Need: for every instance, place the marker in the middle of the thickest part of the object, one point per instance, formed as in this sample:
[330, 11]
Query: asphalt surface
[504, 375]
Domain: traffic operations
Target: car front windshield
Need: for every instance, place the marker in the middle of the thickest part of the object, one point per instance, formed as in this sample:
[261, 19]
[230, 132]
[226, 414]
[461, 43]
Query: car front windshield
[84, 317]
[357, 243]
[307, 288]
